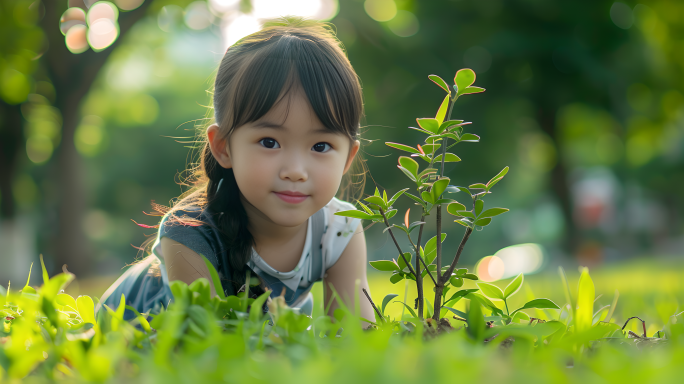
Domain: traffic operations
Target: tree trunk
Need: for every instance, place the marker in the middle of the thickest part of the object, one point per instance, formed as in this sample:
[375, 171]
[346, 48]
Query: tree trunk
[72, 76]
[11, 144]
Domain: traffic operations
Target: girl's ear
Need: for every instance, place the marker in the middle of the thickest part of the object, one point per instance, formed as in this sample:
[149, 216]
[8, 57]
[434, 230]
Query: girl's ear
[219, 147]
[352, 153]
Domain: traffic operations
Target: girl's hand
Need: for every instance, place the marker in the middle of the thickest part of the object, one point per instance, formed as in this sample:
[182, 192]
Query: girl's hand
[343, 275]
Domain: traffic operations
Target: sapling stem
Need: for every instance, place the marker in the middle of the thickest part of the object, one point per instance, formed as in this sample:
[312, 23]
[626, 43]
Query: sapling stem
[410, 267]
[418, 257]
[373, 304]
[419, 278]
[466, 235]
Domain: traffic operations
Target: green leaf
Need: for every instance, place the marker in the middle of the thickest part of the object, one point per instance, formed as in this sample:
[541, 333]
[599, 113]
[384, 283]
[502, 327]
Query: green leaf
[520, 316]
[466, 214]
[401, 262]
[454, 208]
[456, 281]
[585, 301]
[491, 212]
[513, 286]
[498, 177]
[470, 138]
[427, 171]
[461, 293]
[479, 204]
[429, 124]
[444, 201]
[403, 147]
[46, 277]
[478, 186]
[491, 291]
[410, 164]
[431, 148]
[448, 124]
[464, 78]
[450, 158]
[256, 310]
[377, 192]
[431, 249]
[214, 278]
[396, 196]
[390, 214]
[415, 198]
[539, 304]
[476, 323]
[407, 307]
[438, 187]
[464, 222]
[354, 213]
[470, 276]
[456, 311]
[441, 112]
[427, 196]
[86, 309]
[407, 173]
[377, 201]
[397, 277]
[386, 301]
[365, 208]
[438, 80]
[483, 222]
[470, 90]
[384, 265]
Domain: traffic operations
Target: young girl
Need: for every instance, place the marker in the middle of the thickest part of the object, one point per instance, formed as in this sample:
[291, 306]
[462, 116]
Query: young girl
[287, 107]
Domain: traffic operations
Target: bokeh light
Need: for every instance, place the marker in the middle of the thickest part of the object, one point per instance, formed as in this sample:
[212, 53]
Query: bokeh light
[222, 6]
[380, 10]
[511, 261]
[240, 27]
[39, 148]
[490, 268]
[197, 15]
[102, 10]
[169, 17]
[621, 15]
[128, 5]
[71, 17]
[89, 137]
[102, 33]
[14, 86]
[404, 24]
[478, 59]
[76, 39]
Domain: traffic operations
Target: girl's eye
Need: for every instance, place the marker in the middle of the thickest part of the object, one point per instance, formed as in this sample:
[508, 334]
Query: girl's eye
[321, 147]
[269, 143]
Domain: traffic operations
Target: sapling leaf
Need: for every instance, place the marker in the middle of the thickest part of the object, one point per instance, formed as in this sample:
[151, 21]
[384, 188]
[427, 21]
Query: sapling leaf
[470, 276]
[386, 301]
[450, 158]
[451, 136]
[485, 302]
[427, 171]
[408, 307]
[365, 208]
[444, 201]
[431, 249]
[407, 173]
[456, 281]
[456, 311]
[464, 222]
[476, 323]
[396, 196]
[401, 262]
[491, 212]
[498, 177]
[520, 316]
[460, 271]
[477, 186]
[429, 124]
[431, 148]
[403, 147]
[410, 164]
[384, 195]
[441, 112]
[377, 192]
[422, 130]
[415, 198]
[448, 124]
[214, 278]
[355, 213]
[470, 138]
[539, 304]
[438, 188]
[396, 277]
[438, 80]
[483, 222]
[455, 208]
[384, 265]
[377, 201]
[466, 214]
[470, 90]
[427, 196]
[513, 286]
[585, 301]
[463, 79]
[479, 204]
[462, 293]
[491, 291]
[455, 188]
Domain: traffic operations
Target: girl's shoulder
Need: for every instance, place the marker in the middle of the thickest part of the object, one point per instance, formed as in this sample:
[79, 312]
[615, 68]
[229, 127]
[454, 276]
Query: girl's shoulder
[338, 230]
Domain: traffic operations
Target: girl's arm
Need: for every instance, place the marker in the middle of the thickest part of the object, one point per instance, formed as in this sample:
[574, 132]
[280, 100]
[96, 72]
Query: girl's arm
[184, 264]
[351, 266]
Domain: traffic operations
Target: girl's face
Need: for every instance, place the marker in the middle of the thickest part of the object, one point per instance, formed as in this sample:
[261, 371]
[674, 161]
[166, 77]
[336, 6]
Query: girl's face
[286, 164]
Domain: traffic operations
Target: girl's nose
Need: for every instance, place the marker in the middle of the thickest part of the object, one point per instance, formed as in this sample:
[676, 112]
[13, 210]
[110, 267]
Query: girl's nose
[294, 169]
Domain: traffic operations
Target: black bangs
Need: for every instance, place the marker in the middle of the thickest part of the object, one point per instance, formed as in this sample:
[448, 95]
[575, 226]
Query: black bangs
[271, 68]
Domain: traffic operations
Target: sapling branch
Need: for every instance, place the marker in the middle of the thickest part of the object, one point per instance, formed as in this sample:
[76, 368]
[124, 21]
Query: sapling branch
[419, 277]
[373, 304]
[410, 267]
[418, 257]
[466, 235]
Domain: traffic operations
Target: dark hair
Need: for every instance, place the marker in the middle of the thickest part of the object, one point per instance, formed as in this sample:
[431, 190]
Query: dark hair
[255, 73]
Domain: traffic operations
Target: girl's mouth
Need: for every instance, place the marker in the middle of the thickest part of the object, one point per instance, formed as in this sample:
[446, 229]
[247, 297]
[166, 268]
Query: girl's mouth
[291, 196]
